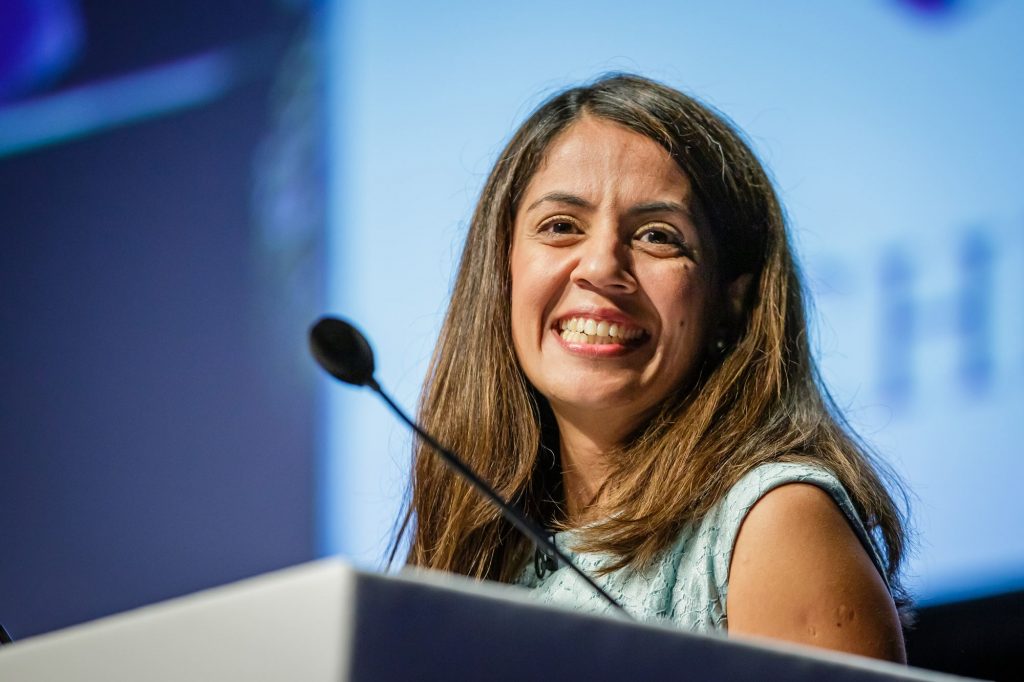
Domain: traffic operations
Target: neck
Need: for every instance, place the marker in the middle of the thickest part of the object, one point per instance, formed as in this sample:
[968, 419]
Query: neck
[585, 447]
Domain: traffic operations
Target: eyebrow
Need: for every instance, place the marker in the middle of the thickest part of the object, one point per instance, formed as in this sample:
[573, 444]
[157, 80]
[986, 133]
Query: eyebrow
[561, 198]
[640, 209]
[659, 207]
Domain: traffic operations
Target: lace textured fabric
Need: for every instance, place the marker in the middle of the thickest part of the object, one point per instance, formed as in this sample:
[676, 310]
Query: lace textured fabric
[687, 586]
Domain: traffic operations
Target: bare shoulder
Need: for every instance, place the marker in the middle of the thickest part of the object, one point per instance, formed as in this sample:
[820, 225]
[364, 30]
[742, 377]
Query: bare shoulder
[799, 573]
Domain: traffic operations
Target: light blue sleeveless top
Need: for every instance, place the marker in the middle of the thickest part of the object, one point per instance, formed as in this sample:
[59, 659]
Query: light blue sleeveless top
[687, 586]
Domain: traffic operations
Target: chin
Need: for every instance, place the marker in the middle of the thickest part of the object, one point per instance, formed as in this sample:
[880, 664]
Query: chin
[621, 400]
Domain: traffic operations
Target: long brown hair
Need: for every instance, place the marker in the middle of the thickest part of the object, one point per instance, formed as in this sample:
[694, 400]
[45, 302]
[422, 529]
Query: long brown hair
[760, 400]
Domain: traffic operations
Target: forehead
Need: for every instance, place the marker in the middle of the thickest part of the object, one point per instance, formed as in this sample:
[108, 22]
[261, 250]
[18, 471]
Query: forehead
[600, 157]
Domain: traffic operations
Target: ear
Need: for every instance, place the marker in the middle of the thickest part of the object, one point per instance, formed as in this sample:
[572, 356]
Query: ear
[736, 296]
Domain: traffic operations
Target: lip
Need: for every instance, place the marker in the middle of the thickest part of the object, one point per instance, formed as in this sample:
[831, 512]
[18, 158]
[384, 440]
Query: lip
[593, 350]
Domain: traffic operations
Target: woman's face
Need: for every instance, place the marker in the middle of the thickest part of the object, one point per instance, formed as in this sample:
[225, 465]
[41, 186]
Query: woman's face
[612, 281]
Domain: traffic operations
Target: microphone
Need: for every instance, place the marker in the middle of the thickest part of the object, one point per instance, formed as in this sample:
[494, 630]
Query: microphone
[343, 351]
[346, 355]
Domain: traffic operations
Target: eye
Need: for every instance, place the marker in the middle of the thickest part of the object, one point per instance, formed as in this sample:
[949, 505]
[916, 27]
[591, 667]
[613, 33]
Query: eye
[558, 226]
[654, 235]
[662, 239]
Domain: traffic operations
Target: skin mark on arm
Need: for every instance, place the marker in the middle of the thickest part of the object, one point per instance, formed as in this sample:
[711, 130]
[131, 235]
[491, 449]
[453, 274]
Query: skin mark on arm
[800, 574]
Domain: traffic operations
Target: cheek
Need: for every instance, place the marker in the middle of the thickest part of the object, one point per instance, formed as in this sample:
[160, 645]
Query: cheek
[534, 292]
[524, 301]
[679, 294]
[683, 304]
[527, 316]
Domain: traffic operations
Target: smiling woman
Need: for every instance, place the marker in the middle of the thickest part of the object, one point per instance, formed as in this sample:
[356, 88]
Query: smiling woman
[607, 246]
[625, 355]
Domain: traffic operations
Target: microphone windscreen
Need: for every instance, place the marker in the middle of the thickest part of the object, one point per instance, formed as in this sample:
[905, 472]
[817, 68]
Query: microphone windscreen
[342, 350]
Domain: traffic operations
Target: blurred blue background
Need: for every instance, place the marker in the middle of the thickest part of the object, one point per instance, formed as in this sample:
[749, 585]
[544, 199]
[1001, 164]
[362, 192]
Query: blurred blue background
[185, 186]
[892, 131]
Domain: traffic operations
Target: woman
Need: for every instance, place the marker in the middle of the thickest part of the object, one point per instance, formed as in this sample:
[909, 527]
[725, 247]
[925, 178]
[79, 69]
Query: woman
[625, 356]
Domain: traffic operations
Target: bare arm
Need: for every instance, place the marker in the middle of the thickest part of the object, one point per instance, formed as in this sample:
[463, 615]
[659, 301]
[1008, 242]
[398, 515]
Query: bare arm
[800, 574]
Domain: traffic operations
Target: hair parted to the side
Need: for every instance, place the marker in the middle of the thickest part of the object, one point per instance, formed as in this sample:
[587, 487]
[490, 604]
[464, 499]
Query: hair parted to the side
[762, 400]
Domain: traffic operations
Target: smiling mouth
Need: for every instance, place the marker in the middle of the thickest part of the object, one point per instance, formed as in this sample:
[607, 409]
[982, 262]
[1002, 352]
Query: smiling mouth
[587, 330]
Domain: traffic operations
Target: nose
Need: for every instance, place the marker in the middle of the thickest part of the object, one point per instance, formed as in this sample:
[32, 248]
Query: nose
[605, 264]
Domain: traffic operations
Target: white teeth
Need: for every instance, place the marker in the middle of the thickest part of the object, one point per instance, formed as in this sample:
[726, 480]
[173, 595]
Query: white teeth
[584, 330]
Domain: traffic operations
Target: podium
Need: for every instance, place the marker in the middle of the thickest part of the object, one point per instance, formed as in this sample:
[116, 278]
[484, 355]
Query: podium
[326, 622]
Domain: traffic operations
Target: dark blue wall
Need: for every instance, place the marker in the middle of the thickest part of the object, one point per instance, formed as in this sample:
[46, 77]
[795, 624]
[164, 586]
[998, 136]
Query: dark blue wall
[155, 425]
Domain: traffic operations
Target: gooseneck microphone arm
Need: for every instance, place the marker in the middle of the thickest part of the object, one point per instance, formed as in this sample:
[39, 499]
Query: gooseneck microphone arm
[346, 355]
[511, 513]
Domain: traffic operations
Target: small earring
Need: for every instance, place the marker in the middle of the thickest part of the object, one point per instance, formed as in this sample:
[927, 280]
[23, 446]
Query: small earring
[720, 345]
